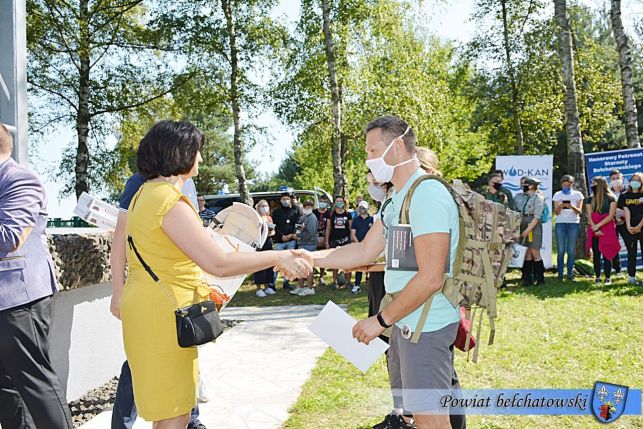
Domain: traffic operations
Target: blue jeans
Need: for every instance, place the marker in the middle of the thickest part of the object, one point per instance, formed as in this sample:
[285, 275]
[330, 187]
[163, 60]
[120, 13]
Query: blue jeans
[124, 413]
[566, 238]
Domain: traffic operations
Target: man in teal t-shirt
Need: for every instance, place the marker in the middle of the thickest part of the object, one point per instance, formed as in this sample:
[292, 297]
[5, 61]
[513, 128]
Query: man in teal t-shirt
[414, 368]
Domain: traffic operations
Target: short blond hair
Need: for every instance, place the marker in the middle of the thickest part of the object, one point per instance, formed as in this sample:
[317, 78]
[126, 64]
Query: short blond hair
[429, 161]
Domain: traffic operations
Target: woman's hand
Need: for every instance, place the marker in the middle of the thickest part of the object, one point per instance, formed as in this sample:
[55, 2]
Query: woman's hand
[296, 264]
[631, 230]
[525, 234]
[115, 306]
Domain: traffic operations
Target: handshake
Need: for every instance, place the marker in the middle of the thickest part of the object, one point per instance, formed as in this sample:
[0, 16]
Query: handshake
[295, 264]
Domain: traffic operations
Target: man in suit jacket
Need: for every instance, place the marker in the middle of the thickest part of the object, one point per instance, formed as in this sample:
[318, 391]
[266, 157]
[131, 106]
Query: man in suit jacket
[31, 395]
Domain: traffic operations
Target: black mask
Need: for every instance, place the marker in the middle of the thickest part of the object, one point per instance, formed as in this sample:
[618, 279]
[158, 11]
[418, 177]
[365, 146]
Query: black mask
[593, 188]
[497, 186]
[525, 188]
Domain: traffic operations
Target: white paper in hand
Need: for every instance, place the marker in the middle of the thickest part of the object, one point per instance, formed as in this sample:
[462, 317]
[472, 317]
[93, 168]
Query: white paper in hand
[335, 327]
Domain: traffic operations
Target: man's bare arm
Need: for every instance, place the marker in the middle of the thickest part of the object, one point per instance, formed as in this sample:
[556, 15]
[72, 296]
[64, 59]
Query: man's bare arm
[355, 254]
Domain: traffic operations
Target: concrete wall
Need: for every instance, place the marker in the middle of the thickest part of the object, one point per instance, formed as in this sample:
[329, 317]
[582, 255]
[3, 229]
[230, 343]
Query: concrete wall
[86, 340]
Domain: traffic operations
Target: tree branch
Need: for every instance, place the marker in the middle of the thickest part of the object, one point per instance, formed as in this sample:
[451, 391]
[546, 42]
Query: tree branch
[51, 91]
[141, 103]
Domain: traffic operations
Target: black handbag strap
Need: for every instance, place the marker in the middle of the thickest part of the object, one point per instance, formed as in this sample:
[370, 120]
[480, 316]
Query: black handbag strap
[141, 260]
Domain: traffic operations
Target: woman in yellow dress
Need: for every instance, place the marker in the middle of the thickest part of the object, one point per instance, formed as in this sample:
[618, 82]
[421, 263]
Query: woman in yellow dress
[167, 232]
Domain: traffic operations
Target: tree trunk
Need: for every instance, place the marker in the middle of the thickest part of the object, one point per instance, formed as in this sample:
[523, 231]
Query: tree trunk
[234, 101]
[512, 81]
[575, 152]
[83, 117]
[625, 62]
[339, 173]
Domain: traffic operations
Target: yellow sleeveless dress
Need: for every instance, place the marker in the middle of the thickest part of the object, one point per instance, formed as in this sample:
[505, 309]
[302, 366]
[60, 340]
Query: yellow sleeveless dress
[164, 375]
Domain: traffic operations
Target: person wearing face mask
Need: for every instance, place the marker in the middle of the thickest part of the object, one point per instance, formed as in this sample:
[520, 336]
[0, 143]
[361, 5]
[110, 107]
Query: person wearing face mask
[616, 186]
[359, 228]
[307, 240]
[322, 214]
[568, 204]
[531, 232]
[601, 229]
[285, 218]
[422, 338]
[358, 200]
[494, 190]
[631, 202]
[338, 233]
[264, 279]
[520, 197]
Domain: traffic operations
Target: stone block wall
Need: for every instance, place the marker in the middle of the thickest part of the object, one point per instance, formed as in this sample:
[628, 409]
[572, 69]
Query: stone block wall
[81, 259]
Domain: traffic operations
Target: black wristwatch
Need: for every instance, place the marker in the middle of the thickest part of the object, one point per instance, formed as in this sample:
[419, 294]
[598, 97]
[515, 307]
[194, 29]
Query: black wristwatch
[380, 319]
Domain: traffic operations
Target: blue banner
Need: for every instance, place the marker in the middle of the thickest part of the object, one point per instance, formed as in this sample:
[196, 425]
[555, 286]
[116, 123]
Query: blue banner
[571, 402]
[627, 161]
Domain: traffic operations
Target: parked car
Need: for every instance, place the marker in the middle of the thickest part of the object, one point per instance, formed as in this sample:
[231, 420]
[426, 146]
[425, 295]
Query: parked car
[216, 203]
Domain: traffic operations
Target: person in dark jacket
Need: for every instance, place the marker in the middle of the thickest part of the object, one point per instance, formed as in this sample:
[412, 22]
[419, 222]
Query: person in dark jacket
[307, 240]
[285, 217]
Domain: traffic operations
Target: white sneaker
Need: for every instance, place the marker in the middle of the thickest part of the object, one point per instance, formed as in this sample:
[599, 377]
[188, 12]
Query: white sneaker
[632, 280]
[356, 289]
[307, 291]
[296, 291]
[608, 282]
[269, 291]
[261, 294]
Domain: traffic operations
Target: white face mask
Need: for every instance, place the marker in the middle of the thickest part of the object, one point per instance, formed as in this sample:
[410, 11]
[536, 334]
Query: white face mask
[383, 172]
[616, 183]
[308, 211]
[377, 192]
[264, 210]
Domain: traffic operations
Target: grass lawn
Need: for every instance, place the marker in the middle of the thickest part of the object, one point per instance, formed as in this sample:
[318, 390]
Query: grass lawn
[560, 335]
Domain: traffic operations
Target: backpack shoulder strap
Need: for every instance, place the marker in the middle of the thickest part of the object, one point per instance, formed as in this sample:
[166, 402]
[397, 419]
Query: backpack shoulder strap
[406, 204]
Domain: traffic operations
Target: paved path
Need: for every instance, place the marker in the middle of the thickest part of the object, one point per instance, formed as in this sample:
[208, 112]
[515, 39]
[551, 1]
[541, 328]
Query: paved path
[255, 370]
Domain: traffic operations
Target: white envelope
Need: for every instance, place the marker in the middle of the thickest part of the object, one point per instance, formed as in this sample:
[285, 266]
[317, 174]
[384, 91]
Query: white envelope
[335, 327]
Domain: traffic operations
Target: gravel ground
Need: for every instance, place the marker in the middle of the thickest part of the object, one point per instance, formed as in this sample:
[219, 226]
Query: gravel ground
[102, 398]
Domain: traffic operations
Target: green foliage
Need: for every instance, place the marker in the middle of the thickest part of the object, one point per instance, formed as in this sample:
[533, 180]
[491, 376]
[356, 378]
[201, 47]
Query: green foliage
[385, 66]
[110, 50]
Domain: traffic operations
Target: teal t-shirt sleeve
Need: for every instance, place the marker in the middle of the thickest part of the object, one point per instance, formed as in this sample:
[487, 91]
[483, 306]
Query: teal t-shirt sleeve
[431, 209]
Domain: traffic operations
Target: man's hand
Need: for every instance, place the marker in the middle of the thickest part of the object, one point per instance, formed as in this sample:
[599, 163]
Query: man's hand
[115, 306]
[306, 255]
[293, 266]
[368, 329]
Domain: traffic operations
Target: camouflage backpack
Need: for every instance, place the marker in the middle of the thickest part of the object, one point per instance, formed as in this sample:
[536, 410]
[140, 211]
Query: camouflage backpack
[487, 230]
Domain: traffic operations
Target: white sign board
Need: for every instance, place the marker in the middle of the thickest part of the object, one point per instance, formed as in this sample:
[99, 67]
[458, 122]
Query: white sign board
[96, 212]
[542, 168]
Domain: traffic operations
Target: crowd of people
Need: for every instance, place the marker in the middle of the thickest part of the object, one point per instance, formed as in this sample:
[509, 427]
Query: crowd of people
[612, 211]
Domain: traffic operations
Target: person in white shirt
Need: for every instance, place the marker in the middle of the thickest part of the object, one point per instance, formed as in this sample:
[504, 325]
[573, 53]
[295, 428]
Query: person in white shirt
[568, 204]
